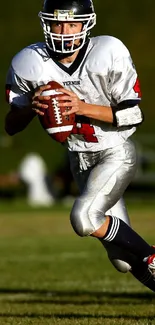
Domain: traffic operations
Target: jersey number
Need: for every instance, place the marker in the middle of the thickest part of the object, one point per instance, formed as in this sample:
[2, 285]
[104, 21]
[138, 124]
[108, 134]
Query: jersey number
[84, 128]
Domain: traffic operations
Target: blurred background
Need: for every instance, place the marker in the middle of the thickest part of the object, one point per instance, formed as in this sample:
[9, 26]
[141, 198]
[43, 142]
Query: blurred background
[48, 274]
[133, 23]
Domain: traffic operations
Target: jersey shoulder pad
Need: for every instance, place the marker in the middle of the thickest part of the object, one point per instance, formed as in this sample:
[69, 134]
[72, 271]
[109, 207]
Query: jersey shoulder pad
[110, 44]
[28, 63]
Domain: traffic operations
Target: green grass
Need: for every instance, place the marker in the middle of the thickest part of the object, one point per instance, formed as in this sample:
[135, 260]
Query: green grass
[48, 275]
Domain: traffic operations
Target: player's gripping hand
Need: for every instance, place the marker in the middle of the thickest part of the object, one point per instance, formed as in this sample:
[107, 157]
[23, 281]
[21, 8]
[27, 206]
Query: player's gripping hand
[37, 100]
[71, 101]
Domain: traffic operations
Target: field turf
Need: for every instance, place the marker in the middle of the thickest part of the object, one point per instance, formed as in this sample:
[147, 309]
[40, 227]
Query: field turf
[48, 275]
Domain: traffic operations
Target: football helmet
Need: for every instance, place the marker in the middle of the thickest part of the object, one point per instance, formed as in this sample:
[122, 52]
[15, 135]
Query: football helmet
[67, 11]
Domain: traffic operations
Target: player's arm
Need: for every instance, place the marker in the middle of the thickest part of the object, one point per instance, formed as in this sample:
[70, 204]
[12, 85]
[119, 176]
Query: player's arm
[79, 107]
[98, 112]
[19, 117]
[125, 113]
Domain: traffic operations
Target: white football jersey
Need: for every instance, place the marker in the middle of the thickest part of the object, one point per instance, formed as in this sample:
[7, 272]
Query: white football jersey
[103, 74]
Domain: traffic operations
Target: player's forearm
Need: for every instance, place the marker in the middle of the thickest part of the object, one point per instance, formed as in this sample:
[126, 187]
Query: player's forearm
[102, 113]
[17, 119]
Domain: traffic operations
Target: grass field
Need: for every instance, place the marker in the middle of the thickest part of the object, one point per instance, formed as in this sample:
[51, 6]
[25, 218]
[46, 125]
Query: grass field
[48, 275]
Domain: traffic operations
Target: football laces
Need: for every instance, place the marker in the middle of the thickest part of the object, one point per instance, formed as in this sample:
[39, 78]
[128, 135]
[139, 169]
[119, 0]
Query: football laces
[57, 112]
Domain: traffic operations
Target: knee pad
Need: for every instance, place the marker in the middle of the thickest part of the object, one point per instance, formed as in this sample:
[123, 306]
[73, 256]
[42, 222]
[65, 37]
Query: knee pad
[81, 225]
[84, 219]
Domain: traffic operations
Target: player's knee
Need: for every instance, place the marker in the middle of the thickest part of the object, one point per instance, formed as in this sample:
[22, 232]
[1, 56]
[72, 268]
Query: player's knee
[85, 218]
[81, 220]
[120, 265]
[81, 228]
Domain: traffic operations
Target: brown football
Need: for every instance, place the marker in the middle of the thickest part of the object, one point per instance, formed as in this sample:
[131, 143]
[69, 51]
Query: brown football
[55, 124]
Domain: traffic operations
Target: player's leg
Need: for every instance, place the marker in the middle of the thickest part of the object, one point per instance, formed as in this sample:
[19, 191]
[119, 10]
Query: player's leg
[81, 174]
[124, 261]
[107, 181]
[118, 256]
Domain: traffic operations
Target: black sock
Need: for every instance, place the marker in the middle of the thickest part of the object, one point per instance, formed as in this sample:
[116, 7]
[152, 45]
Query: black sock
[141, 273]
[120, 234]
[139, 269]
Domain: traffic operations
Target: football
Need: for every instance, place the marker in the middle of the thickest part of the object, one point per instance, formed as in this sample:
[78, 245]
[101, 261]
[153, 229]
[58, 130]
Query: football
[54, 123]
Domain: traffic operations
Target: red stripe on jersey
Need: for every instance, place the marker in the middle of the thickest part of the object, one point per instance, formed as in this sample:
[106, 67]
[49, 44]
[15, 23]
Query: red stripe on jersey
[7, 92]
[137, 89]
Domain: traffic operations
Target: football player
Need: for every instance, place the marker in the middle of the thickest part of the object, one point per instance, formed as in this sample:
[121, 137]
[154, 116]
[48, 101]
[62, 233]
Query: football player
[101, 86]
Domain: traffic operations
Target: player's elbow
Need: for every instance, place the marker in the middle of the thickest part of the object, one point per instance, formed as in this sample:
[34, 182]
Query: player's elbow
[9, 125]
[130, 116]
[9, 130]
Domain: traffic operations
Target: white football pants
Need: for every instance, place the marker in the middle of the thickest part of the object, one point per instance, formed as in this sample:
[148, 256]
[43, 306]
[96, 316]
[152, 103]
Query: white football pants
[102, 178]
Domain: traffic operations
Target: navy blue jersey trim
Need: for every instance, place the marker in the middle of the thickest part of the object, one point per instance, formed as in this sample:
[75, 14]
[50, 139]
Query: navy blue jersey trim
[74, 66]
[127, 104]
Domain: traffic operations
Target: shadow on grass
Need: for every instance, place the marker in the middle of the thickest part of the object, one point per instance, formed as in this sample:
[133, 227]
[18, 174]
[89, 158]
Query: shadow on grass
[75, 298]
[74, 316]
[31, 296]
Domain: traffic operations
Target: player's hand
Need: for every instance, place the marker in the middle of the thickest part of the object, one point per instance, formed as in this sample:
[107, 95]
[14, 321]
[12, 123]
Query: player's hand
[71, 101]
[37, 100]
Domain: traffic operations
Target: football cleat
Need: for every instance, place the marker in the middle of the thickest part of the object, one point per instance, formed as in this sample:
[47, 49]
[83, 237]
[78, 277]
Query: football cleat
[151, 264]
